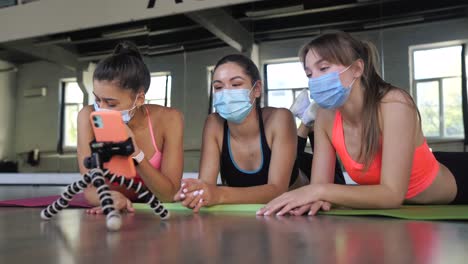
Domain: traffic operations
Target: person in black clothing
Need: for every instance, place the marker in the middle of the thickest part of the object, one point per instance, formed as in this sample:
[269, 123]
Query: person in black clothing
[252, 148]
[305, 109]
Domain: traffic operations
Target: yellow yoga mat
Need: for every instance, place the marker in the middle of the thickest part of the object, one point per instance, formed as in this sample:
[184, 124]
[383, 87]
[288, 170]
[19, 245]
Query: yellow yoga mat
[413, 212]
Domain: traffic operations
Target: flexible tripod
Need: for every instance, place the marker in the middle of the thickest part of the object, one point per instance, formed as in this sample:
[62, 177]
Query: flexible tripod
[102, 152]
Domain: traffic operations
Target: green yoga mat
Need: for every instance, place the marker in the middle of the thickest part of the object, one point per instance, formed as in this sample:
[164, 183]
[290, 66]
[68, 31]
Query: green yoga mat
[225, 208]
[412, 212]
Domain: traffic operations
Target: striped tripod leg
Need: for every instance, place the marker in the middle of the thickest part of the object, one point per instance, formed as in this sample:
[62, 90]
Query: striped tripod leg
[66, 197]
[143, 193]
[113, 219]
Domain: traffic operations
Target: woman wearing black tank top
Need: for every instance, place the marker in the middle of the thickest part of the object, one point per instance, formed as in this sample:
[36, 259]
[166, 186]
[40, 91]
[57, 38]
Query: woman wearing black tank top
[253, 148]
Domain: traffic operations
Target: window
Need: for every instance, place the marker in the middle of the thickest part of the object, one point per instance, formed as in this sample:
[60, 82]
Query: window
[437, 88]
[7, 3]
[209, 78]
[283, 82]
[160, 89]
[72, 104]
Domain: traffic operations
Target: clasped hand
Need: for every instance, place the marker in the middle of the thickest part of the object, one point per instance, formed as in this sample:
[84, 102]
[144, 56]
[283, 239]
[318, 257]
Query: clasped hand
[194, 194]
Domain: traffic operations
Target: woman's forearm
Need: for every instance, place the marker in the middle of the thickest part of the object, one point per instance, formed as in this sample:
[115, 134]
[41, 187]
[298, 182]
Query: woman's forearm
[362, 196]
[159, 184]
[91, 196]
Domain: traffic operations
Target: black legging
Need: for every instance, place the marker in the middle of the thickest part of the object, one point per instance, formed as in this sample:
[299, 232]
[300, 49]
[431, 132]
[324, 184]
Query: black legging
[457, 163]
[304, 159]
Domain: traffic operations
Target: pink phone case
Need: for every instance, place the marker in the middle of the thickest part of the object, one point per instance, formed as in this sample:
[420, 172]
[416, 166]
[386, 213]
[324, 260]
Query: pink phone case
[109, 127]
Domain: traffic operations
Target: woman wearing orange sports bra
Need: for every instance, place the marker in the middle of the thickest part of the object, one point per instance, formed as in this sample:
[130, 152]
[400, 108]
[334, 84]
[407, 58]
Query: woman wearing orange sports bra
[120, 83]
[374, 128]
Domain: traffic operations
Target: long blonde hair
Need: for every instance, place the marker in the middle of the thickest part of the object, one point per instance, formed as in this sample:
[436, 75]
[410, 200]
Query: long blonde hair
[341, 48]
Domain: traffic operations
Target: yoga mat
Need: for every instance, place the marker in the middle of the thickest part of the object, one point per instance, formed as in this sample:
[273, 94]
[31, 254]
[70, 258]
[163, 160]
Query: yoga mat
[229, 208]
[410, 212]
[77, 202]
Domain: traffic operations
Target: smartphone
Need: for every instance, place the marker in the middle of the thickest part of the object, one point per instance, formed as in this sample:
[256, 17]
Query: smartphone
[108, 127]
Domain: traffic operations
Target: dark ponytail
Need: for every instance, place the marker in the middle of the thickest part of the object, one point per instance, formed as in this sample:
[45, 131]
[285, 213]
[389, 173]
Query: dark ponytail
[126, 67]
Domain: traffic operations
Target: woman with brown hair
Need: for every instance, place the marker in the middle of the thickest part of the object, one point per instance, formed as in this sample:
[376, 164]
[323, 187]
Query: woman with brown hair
[374, 128]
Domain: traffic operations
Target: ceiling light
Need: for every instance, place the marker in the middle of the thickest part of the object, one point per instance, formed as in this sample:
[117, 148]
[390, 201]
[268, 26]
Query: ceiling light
[393, 22]
[274, 11]
[53, 41]
[153, 52]
[126, 32]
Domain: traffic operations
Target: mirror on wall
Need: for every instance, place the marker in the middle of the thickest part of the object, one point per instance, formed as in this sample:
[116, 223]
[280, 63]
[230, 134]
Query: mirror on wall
[421, 45]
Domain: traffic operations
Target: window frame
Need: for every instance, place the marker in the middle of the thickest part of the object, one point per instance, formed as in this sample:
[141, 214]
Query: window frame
[61, 147]
[210, 92]
[414, 82]
[159, 74]
[265, 78]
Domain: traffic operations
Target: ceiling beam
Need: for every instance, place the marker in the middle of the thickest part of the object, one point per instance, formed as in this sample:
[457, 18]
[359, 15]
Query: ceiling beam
[51, 53]
[300, 10]
[225, 27]
[50, 17]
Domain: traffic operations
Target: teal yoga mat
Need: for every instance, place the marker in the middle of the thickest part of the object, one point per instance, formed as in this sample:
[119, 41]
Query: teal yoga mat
[412, 212]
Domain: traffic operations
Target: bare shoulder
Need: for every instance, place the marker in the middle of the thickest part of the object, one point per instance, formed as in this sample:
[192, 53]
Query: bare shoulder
[274, 115]
[326, 115]
[84, 130]
[325, 119]
[84, 113]
[213, 131]
[165, 115]
[397, 95]
[214, 124]
[277, 120]
[215, 119]
[397, 102]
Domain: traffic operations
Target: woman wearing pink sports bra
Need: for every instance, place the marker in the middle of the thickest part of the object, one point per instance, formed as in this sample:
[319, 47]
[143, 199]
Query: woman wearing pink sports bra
[375, 129]
[120, 83]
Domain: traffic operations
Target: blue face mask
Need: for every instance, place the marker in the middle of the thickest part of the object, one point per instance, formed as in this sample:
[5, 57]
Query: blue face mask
[328, 91]
[126, 114]
[233, 104]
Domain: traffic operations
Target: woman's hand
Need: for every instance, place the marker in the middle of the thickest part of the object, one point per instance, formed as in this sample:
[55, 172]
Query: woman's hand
[195, 193]
[311, 208]
[121, 203]
[135, 146]
[294, 201]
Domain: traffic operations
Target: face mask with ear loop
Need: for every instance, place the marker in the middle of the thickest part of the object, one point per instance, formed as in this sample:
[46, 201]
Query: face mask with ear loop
[233, 104]
[127, 115]
[328, 91]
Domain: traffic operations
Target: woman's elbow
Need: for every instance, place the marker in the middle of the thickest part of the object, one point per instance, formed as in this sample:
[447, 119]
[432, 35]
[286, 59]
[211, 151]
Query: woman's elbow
[392, 201]
[168, 195]
[169, 198]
